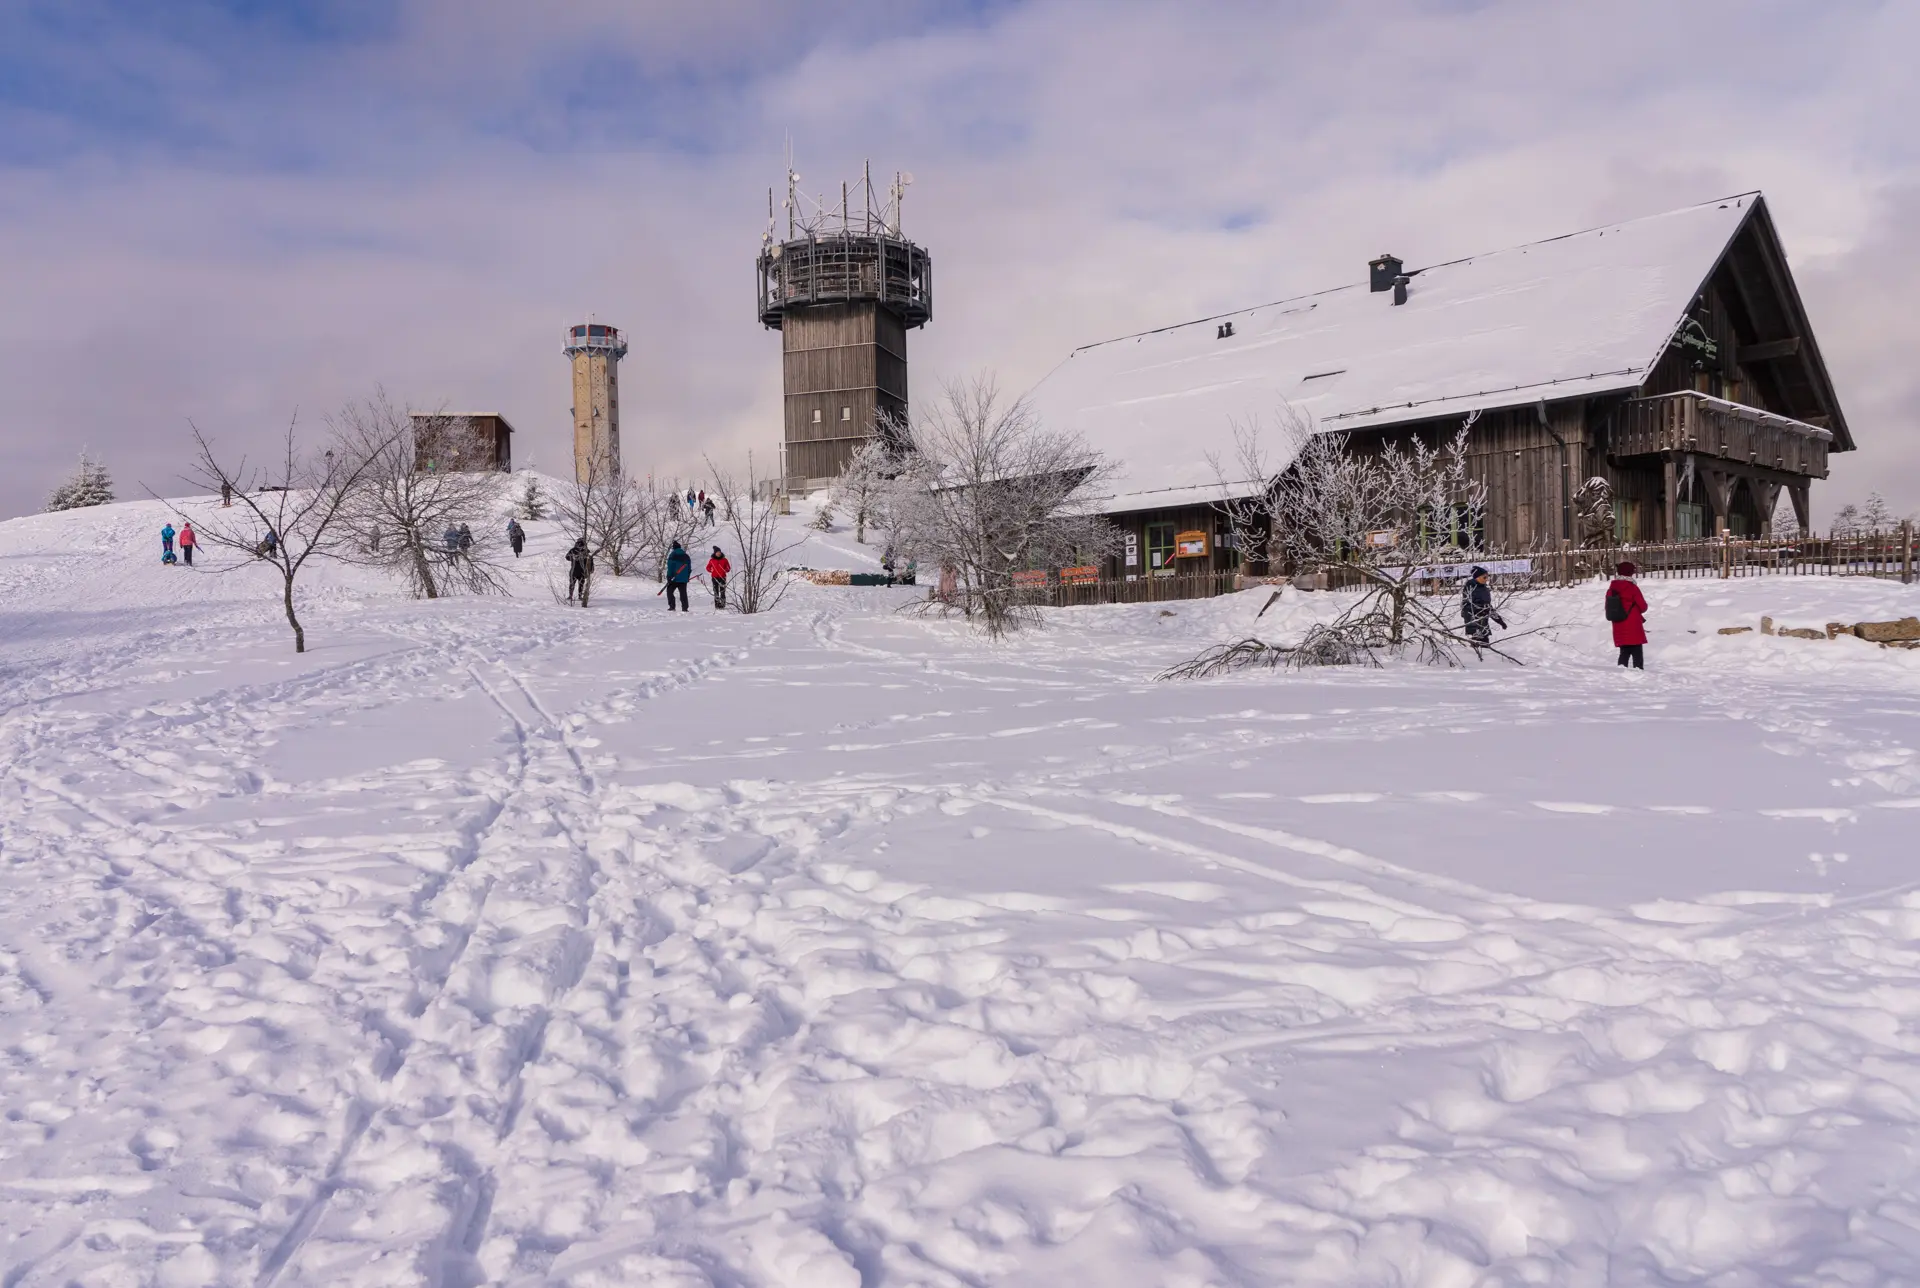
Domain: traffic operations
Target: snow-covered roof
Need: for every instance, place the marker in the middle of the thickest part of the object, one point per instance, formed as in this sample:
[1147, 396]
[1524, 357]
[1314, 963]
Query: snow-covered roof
[1587, 313]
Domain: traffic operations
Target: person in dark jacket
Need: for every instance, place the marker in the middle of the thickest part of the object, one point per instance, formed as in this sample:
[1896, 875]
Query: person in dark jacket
[717, 570]
[516, 536]
[679, 573]
[452, 539]
[1630, 631]
[706, 508]
[1476, 609]
[466, 539]
[579, 570]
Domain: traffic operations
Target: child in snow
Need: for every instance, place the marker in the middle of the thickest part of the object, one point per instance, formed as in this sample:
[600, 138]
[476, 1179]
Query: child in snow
[717, 570]
[1627, 610]
[1476, 609]
[166, 544]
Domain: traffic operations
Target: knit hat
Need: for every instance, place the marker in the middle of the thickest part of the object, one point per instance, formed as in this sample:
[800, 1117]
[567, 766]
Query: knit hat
[1626, 569]
[1477, 572]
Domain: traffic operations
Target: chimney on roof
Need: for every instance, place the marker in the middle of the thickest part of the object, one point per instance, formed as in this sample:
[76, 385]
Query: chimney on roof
[1382, 271]
[1400, 288]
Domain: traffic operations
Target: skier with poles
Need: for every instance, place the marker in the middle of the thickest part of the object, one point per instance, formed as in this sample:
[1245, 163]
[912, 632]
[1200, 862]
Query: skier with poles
[717, 570]
[679, 573]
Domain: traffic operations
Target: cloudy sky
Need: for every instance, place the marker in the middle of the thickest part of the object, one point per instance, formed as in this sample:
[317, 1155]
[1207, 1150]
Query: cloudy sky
[238, 210]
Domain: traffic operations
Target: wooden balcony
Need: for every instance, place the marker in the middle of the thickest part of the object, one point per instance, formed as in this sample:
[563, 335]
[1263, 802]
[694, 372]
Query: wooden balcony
[1693, 423]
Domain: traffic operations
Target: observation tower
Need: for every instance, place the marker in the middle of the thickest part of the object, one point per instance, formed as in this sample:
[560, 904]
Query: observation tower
[843, 289]
[596, 350]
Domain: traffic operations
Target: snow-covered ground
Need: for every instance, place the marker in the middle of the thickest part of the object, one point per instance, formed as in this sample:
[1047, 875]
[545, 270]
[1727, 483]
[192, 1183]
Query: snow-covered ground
[492, 941]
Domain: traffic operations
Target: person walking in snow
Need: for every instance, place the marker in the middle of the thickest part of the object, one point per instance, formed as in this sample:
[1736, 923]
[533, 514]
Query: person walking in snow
[452, 539]
[269, 544]
[166, 543]
[1627, 610]
[1476, 609]
[516, 536]
[466, 539]
[579, 570]
[690, 503]
[717, 570]
[187, 542]
[706, 507]
[679, 573]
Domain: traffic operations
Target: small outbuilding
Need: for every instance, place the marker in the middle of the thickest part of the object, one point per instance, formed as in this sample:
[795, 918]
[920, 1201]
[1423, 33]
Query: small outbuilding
[469, 442]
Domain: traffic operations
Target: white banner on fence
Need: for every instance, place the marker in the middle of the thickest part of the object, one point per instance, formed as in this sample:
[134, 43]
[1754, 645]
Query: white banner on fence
[1454, 572]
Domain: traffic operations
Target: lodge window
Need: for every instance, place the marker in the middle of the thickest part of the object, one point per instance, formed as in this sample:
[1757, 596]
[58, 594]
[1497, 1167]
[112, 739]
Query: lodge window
[816, 415]
[846, 413]
[1160, 549]
[1689, 517]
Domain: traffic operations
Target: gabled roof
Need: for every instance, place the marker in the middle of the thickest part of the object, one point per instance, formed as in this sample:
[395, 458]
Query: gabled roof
[1584, 314]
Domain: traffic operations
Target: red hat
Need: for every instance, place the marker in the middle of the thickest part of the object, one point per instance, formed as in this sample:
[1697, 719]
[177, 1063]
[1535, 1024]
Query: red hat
[1626, 569]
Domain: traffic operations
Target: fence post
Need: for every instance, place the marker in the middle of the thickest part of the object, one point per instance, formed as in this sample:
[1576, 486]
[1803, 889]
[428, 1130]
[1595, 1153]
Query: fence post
[1906, 553]
[1726, 552]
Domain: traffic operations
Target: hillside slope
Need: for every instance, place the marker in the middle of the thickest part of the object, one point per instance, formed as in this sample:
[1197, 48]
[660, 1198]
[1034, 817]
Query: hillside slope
[495, 941]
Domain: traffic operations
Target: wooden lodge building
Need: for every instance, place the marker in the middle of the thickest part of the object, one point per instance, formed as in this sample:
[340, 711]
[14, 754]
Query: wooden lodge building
[1669, 355]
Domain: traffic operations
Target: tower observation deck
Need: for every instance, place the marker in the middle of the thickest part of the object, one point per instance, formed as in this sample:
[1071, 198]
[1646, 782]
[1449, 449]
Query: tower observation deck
[843, 288]
[596, 350]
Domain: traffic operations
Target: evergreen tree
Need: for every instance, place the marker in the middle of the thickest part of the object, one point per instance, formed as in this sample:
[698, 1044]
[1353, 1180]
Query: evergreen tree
[89, 484]
[532, 501]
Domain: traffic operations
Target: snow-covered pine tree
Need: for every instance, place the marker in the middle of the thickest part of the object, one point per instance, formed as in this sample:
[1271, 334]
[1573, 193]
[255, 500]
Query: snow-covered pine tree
[532, 501]
[89, 484]
[1876, 515]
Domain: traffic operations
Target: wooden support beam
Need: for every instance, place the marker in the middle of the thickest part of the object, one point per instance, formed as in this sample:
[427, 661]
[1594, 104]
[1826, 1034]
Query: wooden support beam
[1670, 521]
[1769, 350]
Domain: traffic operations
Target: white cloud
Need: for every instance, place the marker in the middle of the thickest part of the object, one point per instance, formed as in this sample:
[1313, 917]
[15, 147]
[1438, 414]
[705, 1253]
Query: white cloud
[1083, 170]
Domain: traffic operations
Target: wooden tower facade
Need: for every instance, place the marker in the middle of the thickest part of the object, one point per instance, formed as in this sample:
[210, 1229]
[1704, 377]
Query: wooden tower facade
[843, 293]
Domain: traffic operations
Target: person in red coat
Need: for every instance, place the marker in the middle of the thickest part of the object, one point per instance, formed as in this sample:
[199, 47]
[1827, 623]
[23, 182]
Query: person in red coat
[1629, 619]
[717, 570]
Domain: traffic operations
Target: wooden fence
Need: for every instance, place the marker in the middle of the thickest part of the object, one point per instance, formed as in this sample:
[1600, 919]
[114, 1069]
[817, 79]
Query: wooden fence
[1880, 554]
[1073, 593]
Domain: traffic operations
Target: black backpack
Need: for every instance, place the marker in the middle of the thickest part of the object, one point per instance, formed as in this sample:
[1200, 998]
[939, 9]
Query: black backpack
[1616, 606]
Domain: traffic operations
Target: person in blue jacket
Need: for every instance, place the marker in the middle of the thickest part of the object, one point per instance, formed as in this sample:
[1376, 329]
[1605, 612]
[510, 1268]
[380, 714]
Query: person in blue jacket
[679, 573]
[166, 544]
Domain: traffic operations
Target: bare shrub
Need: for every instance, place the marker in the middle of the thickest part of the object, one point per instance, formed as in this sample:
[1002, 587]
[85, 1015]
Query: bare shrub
[752, 522]
[431, 527]
[985, 491]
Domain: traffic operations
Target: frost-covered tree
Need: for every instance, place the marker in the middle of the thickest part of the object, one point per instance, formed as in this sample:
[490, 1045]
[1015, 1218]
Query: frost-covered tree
[863, 487]
[986, 491]
[89, 484]
[532, 499]
[1380, 522]
[1847, 521]
[1876, 515]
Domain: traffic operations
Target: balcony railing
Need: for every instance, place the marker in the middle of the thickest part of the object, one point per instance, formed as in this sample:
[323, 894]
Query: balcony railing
[1694, 422]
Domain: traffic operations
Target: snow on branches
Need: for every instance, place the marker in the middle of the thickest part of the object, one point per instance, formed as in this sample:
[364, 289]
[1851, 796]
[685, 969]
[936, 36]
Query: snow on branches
[87, 485]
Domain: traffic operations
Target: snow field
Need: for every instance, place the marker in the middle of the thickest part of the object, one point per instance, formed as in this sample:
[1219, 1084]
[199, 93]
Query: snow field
[496, 942]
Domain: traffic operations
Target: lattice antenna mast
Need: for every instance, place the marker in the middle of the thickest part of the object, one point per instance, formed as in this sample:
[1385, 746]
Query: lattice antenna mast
[813, 216]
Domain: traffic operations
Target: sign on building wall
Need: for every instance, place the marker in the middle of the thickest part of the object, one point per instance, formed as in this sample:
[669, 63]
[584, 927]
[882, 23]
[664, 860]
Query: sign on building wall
[1132, 547]
[1084, 575]
[1190, 545]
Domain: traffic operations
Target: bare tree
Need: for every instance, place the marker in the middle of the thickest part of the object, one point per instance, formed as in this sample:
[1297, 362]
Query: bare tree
[418, 523]
[987, 492]
[752, 523]
[627, 522]
[1246, 481]
[288, 514]
[1593, 508]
